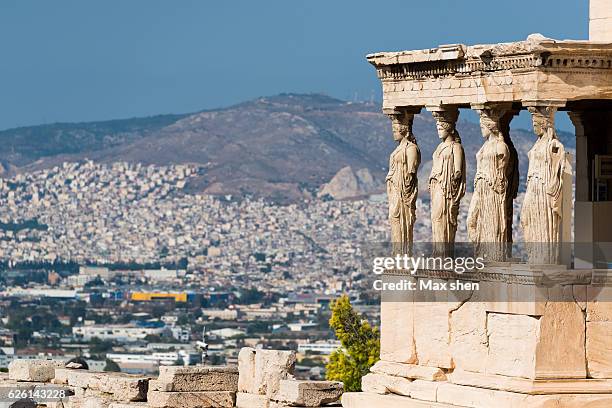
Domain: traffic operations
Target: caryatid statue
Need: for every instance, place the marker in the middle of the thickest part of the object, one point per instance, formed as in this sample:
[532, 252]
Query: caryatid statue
[487, 220]
[447, 181]
[402, 182]
[542, 206]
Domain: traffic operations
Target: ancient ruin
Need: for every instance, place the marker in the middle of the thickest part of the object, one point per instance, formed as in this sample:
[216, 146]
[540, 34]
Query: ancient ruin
[537, 333]
[263, 379]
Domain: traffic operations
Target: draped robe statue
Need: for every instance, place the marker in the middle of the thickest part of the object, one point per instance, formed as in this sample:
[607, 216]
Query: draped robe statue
[542, 207]
[402, 183]
[487, 220]
[446, 183]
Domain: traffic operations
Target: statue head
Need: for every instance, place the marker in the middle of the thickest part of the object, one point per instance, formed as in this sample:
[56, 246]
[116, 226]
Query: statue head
[543, 118]
[489, 122]
[402, 126]
[445, 123]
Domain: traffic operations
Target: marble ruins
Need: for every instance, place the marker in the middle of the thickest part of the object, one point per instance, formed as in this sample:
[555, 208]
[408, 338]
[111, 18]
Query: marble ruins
[263, 379]
[538, 333]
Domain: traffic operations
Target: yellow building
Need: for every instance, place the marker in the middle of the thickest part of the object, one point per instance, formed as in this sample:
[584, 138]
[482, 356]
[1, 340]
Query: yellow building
[148, 296]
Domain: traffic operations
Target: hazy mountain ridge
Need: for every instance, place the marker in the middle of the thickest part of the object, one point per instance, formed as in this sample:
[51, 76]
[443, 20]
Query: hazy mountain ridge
[282, 147]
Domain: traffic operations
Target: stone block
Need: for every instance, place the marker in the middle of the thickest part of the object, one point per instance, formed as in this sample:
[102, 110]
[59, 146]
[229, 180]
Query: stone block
[560, 349]
[262, 370]
[424, 390]
[33, 370]
[123, 387]
[599, 304]
[431, 333]
[512, 344]
[369, 400]
[196, 378]
[529, 386]
[599, 349]
[128, 405]
[411, 371]
[246, 369]
[478, 397]
[306, 393]
[396, 332]
[191, 399]
[385, 384]
[468, 337]
[600, 9]
[61, 376]
[88, 402]
[246, 400]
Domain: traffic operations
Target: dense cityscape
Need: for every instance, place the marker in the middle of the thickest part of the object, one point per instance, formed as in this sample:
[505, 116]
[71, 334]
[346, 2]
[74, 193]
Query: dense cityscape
[120, 264]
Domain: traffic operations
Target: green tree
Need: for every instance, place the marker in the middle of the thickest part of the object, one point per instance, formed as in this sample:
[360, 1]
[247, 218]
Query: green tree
[111, 366]
[360, 345]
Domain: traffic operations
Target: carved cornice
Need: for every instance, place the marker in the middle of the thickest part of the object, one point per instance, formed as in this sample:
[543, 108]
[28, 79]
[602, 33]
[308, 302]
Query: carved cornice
[547, 56]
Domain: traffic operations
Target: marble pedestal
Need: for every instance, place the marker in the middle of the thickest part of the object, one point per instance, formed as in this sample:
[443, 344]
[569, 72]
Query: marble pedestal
[529, 336]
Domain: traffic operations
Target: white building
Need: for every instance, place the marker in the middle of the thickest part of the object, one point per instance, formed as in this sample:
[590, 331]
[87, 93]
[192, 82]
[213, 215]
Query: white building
[121, 333]
[326, 348]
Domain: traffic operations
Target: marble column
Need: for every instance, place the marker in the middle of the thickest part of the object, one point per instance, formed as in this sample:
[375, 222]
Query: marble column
[402, 182]
[447, 180]
[542, 211]
[487, 220]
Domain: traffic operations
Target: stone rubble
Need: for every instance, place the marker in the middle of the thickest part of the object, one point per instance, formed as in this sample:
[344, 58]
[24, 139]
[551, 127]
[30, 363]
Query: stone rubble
[266, 381]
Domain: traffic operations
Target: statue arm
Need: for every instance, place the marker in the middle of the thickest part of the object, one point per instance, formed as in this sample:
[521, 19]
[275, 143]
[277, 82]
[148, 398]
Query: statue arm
[410, 164]
[458, 157]
[554, 177]
[458, 176]
[502, 155]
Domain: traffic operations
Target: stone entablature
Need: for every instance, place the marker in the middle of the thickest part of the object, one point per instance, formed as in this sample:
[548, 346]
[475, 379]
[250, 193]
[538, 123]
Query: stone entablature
[538, 71]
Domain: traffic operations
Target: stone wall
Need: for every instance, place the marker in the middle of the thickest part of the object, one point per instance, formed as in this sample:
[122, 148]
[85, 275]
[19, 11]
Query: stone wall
[600, 24]
[511, 344]
[264, 379]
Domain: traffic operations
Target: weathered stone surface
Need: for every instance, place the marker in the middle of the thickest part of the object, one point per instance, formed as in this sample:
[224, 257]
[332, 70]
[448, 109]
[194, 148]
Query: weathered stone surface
[368, 400]
[424, 390]
[262, 370]
[374, 383]
[123, 387]
[196, 378]
[560, 349]
[33, 370]
[128, 405]
[246, 369]
[396, 332]
[61, 376]
[88, 402]
[512, 344]
[191, 399]
[471, 396]
[272, 366]
[385, 384]
[246, 400]
[599, 307]
[431, 333]
[412, 371]
[478, 397]
[309, 393]
[599, 349]
[529, 386]
[468, 333]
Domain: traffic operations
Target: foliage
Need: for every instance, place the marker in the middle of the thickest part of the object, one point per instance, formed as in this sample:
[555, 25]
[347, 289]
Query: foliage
[112, 366]
[360, 345]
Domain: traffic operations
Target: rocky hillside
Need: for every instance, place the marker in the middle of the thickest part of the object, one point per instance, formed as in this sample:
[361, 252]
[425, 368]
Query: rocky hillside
[284, 147]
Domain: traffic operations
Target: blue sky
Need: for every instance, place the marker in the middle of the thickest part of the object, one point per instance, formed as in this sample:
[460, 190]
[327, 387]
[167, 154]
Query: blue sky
[83, 60]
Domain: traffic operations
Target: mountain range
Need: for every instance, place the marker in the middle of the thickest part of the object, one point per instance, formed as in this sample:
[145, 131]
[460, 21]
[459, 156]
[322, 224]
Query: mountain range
[283, 148]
